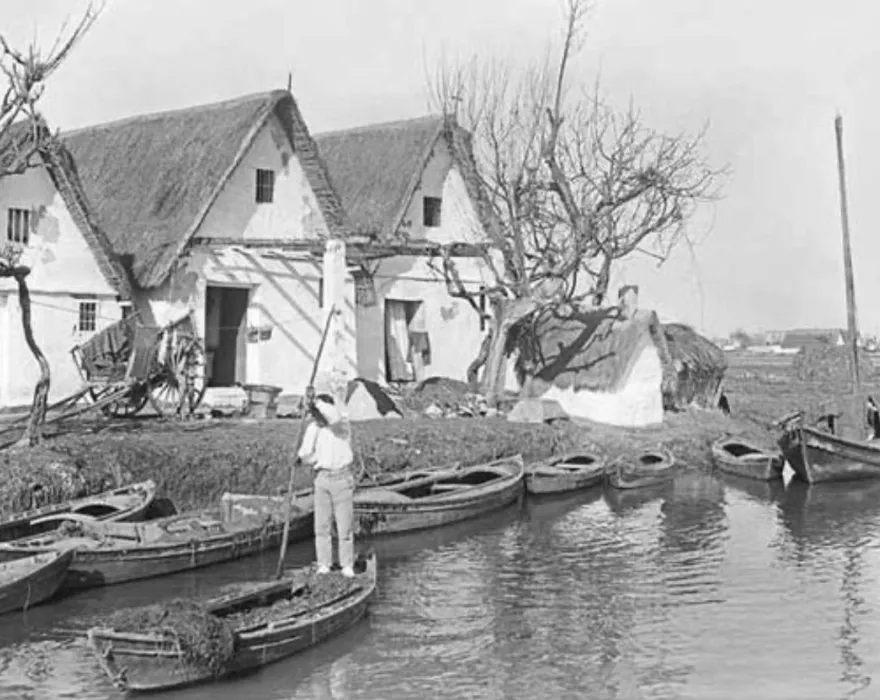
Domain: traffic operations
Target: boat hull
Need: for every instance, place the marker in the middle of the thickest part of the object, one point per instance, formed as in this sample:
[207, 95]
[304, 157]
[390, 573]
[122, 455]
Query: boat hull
[382, 518]
[97, 564]
[547, 478]
[38, 584]
[141, 663]
[640, 475]
[817, 457]
[761, 465]
[125, 504]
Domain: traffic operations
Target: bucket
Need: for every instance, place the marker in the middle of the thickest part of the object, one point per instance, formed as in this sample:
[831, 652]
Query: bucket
[262, 400]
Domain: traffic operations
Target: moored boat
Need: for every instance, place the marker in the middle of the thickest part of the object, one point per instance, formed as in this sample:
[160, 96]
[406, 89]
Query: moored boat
[739, 457]
[111, 553]
[125, 504]
[31, 580]
[817, 456]
[569, 472]
[269, 621]
[650, 468]
[435, 499]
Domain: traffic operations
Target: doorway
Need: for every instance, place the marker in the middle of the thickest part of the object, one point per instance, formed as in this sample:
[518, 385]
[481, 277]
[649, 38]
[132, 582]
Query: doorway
[226, 334]
[406, 343]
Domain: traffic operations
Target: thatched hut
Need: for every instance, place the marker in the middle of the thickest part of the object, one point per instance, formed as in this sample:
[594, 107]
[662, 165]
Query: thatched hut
[697, 367]
[605, 365]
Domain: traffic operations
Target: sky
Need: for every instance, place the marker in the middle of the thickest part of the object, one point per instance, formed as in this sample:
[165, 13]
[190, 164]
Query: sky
[767, 76]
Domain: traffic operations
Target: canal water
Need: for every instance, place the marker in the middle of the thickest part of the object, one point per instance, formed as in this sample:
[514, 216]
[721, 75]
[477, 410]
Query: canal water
[708, 587]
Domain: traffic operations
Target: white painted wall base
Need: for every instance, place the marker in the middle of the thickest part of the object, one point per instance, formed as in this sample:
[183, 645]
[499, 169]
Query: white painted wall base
[638, 404]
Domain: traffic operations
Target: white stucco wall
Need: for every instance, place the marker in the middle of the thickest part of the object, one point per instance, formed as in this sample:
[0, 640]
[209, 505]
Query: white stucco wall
[452, 324]
[284, 287]
[284, 295]
[63, 268]
[294, 211]
[638, 403]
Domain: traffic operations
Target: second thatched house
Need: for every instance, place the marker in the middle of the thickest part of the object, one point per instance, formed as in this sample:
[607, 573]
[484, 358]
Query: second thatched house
[619, 365]
[414, 182]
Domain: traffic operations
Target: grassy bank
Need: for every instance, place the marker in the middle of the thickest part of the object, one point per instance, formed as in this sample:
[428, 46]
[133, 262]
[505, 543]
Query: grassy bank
[194, 463]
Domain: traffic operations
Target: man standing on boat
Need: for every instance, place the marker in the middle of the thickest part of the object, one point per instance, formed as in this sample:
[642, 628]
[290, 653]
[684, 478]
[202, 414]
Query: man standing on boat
[327, 448]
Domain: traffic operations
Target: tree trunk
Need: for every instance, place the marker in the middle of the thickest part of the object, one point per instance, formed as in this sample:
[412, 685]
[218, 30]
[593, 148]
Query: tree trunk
[34, 432]
[473, 370]
[506, 314]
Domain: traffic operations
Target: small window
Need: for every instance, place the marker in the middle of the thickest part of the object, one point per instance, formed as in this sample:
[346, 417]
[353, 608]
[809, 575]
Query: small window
[88, 316]
[321, 293]
[265, 186]
[432, 211]
[126, 312]
[18, 226]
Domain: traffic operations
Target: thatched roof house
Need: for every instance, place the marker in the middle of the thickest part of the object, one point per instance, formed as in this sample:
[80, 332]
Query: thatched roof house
[617, 365]
[411, 182]
[17, 141]
[604, 365]
[377, 170]
[699, 366]
[152, 179]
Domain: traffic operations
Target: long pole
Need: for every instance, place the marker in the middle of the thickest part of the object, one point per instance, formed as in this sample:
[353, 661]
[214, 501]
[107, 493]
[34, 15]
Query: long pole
[847, 261]
[302, 427]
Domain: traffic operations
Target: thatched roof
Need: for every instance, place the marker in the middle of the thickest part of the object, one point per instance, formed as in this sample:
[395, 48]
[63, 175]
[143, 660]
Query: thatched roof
[687, 348]
[808, 337]
[377, 169]
[591, 349]
[153, 178]
[62, 171]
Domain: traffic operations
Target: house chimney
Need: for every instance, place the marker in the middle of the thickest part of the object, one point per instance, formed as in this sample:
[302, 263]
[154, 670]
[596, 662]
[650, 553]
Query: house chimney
[628, 301]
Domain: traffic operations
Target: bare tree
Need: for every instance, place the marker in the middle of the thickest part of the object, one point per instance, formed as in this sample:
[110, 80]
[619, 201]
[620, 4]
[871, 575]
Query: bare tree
[24, 136]
[574, 185]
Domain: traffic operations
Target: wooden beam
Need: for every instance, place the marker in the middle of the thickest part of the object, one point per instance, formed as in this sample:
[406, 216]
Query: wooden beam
[357, 249]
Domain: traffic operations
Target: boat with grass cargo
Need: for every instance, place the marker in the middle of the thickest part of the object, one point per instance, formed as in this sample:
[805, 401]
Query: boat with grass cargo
[125, 504]
[31, 580]
[182, 643]
[111, 553]
[569, 472]
[438, 498]
[739, 457]
[651, 468]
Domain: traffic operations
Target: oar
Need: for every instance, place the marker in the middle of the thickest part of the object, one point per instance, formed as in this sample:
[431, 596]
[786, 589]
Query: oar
[302, 427]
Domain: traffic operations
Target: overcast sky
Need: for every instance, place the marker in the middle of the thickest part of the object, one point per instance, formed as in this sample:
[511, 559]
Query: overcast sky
[768, 75]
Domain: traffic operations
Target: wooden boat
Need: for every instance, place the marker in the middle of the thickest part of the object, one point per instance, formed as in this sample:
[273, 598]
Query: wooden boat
[110, 553]
[125, 504]
[570, 472]
[30, 580]
[651, 468]
[817, 456]
[155, 661]
[739, 457]
[441, 498]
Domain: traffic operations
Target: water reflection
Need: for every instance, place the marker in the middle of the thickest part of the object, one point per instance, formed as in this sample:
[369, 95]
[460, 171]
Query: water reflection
[705, 587]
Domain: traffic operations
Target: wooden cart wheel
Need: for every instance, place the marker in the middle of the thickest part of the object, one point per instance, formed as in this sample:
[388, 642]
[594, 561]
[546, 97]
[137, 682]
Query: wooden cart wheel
[129, 405]
[178, 383]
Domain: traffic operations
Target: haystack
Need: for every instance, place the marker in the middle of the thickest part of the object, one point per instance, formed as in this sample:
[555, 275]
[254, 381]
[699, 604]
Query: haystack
[697, 367]
[366, 400]
[602, 365]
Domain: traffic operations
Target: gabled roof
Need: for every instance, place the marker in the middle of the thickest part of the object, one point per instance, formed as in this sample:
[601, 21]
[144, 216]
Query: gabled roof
[153, 178]
[377, 168]
[62, 171]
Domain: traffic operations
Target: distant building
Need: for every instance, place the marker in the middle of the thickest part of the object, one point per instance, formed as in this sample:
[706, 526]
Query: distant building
[813, 337]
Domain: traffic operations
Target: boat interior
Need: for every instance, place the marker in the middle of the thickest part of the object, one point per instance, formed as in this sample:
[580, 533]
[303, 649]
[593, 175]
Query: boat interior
[738, 449]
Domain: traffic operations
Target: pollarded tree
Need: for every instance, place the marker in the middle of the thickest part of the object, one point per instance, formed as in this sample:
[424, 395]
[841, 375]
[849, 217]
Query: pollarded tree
[574, 185]
[23, 137]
